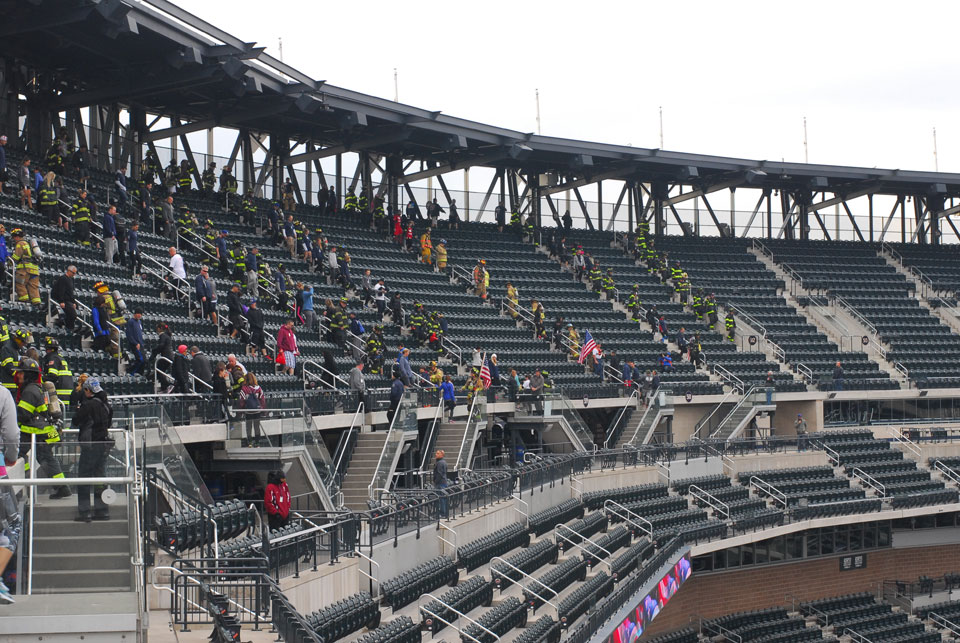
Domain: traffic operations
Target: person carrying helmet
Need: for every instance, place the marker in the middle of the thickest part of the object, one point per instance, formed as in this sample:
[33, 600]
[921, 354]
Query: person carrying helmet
[33, 417]
[350, 201]
[633, 303]
[58, 378]
[26, 277]
[513, 300]
[731, 325]
[607, 285]
[9, 356]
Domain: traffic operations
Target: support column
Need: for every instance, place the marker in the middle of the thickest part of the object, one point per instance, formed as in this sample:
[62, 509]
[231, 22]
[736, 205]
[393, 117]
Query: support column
[599, 205]
[768, 194]
[339, 185]
[870, 210]
[733, 212]
[466, 194]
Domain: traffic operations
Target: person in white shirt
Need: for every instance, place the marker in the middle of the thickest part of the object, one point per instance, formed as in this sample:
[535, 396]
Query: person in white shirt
[233, 362]
[176, 264]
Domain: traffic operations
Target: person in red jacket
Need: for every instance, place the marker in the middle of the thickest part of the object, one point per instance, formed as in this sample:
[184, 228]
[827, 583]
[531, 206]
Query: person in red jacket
[277, 500]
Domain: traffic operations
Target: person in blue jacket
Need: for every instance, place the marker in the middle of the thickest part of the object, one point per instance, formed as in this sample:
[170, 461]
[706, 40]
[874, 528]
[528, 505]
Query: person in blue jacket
[449, 396]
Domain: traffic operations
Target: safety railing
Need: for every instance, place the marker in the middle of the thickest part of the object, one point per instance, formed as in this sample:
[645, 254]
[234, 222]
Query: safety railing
[856, 314]
[870, 481]
[616, 427]
[122, 457]
[470, 432]
[580, 435]
[729, 378]
[702, 428]
[948, 472]
[652, 407]
[767, 489]
[944, 623]
[166, 277]
[432, 435]
[391, 448]
[311, 369]
[905, 442]
[196, 242]
[614, 508]
[805, 372]
[727, 425]
[752, 321]
[344, 453]
[720, 507]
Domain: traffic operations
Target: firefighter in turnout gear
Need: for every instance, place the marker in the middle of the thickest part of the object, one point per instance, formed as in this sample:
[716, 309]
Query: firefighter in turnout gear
[362, 202]
[633, 303]
[350, 201]
[248, 208]
[513, 300]
[239, 259]
[416, 322]
[731, 325]
[711, 311]
[33, 417]
[10, 355]
[596, 276]
[115, 307]
[209, 242]
[608, 284]
[186, 220]
[57, 374]
[339, 323]
[698, 304]
[47, 197]
[185, 181]
[80, 213]
[26, 277]
[515, 220]
[379, 216]
[683, 288]
[228, 182]
[4, 330]
[208, 179]
[374, 348]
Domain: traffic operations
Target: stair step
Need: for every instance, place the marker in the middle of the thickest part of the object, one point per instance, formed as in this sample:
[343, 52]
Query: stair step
[79, 544]
[81, 561]
[68, 510]
[71, 528]
[62, 580]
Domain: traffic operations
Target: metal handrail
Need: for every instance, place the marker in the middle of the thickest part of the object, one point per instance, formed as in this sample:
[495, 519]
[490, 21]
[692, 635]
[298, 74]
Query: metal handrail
[944, 623]
[900, 438]
[714, 502]
[653, 403]
[763, 486]
[197, 245]
[706, 420]
[466, 430]
[843, 303]
[431, 435]
[340, 453]
[946, 471]
[865, 477]
[831, 454]
[728, 377]
[459, 616]
[326, 371]
[806, 372]
[383, 452]
[748, 318]
[743, 400]
[583, 538]
[498, 559]
[613, 430]
[647, 529]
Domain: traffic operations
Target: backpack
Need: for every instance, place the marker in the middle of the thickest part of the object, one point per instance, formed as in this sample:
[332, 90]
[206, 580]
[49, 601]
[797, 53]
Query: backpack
[252, 402]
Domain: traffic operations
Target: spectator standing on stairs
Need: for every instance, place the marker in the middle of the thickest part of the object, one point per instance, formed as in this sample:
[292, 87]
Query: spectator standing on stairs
[287, 344]
[64, 294]
[770, 383]
[449, 396]
[356, 379]
[276, 500]
[163, 348]
[133, 329]
[440, 480]
[93, 421]
[206, 290]
[167, 219]
[202, 370]
[396, 394]
[257, 337]
[181, 371]
[403, 363]
[838, 377]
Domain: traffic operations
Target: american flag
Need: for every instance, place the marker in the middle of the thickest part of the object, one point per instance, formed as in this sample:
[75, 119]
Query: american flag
[588, 346]
[485, 373]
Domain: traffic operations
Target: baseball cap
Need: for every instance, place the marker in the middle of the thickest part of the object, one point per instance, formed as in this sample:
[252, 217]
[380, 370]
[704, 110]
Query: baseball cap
[93, 384]
[182, 348]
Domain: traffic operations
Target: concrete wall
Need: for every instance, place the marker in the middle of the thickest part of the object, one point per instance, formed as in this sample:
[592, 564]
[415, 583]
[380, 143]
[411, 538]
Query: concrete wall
[314, 590]
[757, 462]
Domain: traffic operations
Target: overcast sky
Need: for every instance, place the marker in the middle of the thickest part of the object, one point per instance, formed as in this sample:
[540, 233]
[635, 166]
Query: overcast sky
[736, 79]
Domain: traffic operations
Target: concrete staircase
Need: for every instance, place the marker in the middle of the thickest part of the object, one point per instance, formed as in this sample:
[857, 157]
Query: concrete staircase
[449, 439]
[363, 465]
[941, 309]
[75, 557]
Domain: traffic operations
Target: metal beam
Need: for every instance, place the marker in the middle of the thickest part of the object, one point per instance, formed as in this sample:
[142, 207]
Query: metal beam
[893, 213]
[583, 208]
[616, 208]
[713, 214]
[618, 173]
[732, 183]
[840, 198]
[676, 215]
[753, 216]
[451, 167]
[486, 197]
[190, 159]
[856, 228]
[363, 144]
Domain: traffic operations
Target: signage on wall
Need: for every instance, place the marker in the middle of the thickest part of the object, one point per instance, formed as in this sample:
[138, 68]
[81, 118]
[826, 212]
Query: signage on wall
[855, 561]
